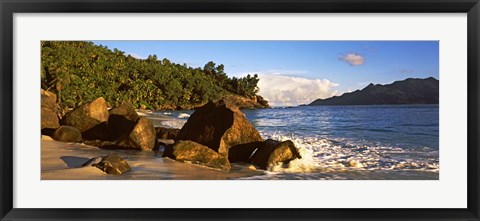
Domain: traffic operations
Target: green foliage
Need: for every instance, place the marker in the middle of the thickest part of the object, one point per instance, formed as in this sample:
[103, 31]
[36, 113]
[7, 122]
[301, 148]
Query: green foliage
[78, 72]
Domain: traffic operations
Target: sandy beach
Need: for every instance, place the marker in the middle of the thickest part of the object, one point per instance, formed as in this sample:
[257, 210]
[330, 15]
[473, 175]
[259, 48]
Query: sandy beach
[62, 161]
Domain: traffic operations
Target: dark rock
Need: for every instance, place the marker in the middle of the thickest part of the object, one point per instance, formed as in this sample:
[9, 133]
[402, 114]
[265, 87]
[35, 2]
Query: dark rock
[113, 164]
[119, 127]
[126, 110]
[168, 151]
[121, 121]
[49, 119]
[273, 152]
[166, 133]
[88, 115]
[189, 151]
[48, 131]
[141, 137]
[100, 131]
[243, 152]
[219, 125]
[67, 134]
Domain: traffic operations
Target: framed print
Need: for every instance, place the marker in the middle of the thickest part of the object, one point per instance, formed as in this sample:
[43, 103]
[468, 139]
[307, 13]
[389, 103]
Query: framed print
[239, 110]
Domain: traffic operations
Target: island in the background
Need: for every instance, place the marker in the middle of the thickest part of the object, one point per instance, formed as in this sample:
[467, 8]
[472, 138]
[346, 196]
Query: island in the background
[408, 91]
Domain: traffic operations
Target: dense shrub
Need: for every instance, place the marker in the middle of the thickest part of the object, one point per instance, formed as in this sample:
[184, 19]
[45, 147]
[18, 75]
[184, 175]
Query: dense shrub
[79, 72]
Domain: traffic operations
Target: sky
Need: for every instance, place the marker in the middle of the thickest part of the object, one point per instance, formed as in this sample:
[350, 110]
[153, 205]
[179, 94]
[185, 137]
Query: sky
[298, 72]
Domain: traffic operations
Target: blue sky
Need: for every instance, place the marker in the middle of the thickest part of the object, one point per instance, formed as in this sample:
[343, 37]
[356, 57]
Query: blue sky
[307, 69]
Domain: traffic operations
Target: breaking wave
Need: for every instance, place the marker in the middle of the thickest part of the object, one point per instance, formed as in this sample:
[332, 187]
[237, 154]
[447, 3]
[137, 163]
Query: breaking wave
[333, 155]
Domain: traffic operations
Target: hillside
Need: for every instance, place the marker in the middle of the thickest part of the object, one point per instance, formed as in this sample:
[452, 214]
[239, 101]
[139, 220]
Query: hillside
[408, 91]
[78, 72]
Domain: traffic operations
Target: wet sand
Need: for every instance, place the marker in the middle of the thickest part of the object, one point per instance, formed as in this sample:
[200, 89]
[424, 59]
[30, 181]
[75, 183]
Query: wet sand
[62, 161]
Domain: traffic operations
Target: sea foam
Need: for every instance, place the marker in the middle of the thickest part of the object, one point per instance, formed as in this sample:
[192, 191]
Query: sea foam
[176, 124]
[334, 155]
[183, 115]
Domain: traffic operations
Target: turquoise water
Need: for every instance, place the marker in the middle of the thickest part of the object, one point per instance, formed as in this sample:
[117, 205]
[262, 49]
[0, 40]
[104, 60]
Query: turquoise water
[350, 142]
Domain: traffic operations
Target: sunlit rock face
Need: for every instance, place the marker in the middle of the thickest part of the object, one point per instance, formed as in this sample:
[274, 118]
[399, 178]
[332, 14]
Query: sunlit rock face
[189, 151]
[219, 125]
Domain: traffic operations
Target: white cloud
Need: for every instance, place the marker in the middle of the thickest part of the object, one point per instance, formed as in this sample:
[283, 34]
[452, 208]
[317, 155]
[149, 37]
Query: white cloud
[353, 59]
[282, 90]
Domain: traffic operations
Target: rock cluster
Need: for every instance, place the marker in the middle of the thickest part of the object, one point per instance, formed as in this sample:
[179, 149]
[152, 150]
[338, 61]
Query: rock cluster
[50, 111]
[93, 123]
[214, 136]
[218, 134]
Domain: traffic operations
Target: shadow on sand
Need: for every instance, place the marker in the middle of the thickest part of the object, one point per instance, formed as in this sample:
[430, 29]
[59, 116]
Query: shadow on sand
[74, 162]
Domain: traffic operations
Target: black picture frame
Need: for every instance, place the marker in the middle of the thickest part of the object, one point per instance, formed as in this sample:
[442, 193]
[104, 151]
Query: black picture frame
[9, 7]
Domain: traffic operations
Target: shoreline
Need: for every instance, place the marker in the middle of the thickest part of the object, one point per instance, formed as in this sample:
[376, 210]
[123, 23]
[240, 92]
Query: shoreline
[62, 161]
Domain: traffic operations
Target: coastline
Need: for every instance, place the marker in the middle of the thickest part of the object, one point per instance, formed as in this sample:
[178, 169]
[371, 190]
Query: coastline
[62, 161]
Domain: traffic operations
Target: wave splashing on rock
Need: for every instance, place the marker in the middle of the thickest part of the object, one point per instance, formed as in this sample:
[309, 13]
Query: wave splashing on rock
[336, 155]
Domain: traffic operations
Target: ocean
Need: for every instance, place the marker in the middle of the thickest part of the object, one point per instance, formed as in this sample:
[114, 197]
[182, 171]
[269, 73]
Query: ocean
[394, 142]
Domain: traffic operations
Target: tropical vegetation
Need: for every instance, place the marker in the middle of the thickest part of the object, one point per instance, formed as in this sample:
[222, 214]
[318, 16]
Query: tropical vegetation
[78, 72]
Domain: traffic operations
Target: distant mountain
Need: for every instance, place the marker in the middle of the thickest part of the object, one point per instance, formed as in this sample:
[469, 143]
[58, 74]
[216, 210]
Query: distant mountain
[408, 91]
